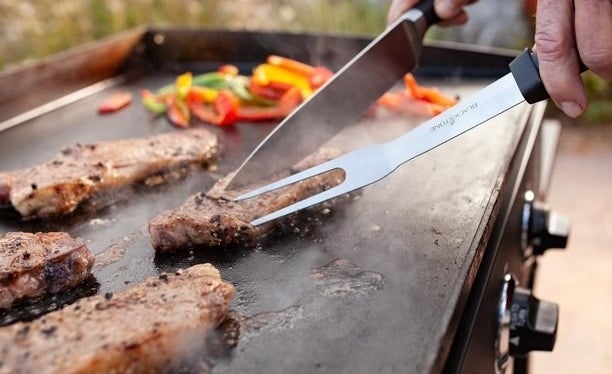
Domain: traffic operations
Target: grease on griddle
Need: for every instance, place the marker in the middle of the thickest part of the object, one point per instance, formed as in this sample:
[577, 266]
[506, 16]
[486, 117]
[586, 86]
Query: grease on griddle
[342, 278]
[271, 321]
[337, 279]
[28, 310]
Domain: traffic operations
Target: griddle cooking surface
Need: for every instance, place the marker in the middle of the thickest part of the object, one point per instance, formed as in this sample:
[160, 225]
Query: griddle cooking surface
[373, 286]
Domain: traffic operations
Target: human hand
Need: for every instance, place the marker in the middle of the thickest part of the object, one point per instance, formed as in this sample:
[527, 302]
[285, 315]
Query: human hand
[451, 11]
[564, 31]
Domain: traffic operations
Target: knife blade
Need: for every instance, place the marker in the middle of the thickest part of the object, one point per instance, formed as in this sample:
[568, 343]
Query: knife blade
[343, 99]
[370, 164]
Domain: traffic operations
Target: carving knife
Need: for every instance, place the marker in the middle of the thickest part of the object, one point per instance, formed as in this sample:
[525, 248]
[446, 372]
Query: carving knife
[343, 99]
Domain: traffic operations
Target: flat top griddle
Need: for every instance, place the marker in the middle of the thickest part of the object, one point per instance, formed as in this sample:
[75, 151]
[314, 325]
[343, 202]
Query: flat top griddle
[377, 285]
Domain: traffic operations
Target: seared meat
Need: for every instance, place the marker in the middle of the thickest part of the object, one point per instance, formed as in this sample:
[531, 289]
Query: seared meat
[32, 265]
[213, 219]
[80, 172]
[153, 327]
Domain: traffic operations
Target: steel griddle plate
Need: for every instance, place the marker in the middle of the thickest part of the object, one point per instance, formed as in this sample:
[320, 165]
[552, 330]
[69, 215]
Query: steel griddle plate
[378, 285]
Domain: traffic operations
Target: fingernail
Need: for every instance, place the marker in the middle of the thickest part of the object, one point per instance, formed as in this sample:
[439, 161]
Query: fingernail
[571, 108]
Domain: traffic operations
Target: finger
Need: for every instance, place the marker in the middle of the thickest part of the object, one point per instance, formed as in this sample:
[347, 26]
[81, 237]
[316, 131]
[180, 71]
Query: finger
[398, 7]
[557, 55]
[449, 9]
[457, 20]
[594, 35]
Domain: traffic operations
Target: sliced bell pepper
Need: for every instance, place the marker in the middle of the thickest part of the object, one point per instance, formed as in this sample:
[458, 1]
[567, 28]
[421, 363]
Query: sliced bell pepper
[316, 75]
[402, 103]
[416, 99]
[177, 111]
[222, 112]
[271, 91]
[289, 101]
[239, 86]
[115, 103]
[266, 74]
[319, 76]
[183, 84]
[430, 94]
[154, 103]
[228, 69]
[202, 94]
[295, 66]
[214, 80]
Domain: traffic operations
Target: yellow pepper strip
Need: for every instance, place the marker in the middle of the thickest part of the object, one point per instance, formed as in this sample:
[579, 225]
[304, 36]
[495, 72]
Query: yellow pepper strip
[183, 84]
[202, 94]
[265, 74]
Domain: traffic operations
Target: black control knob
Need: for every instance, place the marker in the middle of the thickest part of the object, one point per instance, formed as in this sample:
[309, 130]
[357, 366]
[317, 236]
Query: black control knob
[533, 323]
[548, 229]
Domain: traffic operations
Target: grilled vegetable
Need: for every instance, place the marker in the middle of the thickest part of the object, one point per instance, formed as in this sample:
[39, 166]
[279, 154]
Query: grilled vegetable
[224, 96]
[275, 88]
[222, 112]
[416, 99]
[115, 103]
[289, 101]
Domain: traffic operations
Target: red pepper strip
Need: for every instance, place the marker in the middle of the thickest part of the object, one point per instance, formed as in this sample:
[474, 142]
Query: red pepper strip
[290, 100]
[223, 111]
[403, 102]
[228, 69]
[177, 111]
[430, 94]
[272, 90]
[319, 76]
[115, 103]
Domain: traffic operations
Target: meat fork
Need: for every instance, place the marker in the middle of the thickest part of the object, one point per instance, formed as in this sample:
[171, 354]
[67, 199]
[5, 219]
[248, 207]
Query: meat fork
[372, 163]
[361, 167]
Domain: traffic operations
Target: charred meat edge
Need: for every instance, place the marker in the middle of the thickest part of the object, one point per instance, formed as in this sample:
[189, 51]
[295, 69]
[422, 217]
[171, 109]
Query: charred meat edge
[33, 265]
[213, 219]
[151, 327]
[80, 172]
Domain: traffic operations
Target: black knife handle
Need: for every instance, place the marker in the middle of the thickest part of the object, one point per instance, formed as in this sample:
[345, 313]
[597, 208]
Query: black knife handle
[526, 72]
[427, 7]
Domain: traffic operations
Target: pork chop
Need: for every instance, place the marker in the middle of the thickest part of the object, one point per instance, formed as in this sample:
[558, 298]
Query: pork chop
[33, 265]
[156, 326]
[213, 219]
[80, 172]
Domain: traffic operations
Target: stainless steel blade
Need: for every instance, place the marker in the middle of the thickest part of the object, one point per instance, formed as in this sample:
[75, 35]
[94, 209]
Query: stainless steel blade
[336, 105]
[370, 164]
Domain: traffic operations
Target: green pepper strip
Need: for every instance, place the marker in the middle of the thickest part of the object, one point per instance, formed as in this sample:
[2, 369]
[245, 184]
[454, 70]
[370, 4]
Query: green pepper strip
[152, 102]
[214, 80]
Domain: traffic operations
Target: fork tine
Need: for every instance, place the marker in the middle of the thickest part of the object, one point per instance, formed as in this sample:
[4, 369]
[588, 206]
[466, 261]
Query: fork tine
[294, 178]
[338, 190]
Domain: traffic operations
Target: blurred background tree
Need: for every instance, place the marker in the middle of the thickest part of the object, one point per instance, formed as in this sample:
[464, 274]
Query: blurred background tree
[33, 29]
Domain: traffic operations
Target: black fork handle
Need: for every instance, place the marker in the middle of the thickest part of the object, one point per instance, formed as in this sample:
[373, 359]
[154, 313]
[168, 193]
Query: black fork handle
[525, 69]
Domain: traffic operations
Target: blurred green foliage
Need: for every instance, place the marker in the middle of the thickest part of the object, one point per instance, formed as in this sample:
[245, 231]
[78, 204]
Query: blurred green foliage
[33, 29]
[600, 99]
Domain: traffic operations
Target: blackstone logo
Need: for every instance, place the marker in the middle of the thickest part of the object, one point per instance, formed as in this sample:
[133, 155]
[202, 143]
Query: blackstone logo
[450, 120]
